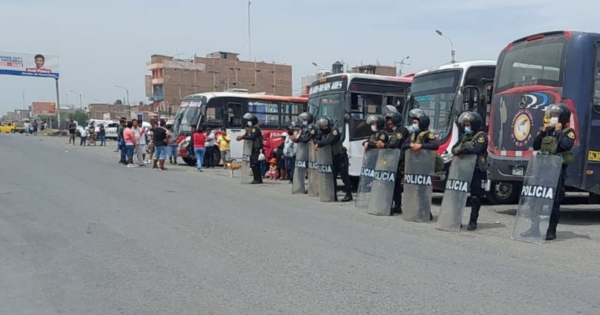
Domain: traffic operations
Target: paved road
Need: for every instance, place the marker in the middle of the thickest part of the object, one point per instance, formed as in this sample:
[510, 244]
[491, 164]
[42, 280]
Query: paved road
[80, 234]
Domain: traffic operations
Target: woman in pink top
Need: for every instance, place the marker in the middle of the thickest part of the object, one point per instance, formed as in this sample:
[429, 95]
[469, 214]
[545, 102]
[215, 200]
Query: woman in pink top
[199, 140]
[129, 138]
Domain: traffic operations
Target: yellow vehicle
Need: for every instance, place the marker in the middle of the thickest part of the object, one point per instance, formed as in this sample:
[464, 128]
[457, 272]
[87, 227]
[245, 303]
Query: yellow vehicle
[8, 127]
[20, 126]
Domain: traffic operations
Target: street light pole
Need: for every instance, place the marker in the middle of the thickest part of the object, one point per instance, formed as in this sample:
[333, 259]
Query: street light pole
[126, 91]
[401, 65]
[453, 52]
[80, 99]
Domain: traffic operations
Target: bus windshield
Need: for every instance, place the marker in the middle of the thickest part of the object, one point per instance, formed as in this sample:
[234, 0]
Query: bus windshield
[435, 93]
[330, 105]
[538, 62]
[188, 116]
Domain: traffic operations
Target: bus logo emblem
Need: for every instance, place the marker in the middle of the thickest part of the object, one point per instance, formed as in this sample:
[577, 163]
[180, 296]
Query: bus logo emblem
[523, 101]
[521, 125]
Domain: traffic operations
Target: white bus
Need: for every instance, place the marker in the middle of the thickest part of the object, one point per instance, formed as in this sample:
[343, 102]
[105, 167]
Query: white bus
[349, 98]
[447, 91]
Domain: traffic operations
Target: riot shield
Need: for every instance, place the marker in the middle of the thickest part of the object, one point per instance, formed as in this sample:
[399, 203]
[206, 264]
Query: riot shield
[366, 179]
[418, 185]
[300, 169]
[384, 182]
[458, 186]
[537, 198]
[325, 168]
[313, 175]
[246, 176]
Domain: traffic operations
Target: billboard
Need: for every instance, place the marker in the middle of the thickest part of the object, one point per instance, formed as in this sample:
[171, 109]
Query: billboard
[28, 65]
[43, 108]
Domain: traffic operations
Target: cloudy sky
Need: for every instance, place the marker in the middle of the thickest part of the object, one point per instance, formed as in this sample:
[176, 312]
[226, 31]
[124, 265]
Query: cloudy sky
[102, 43]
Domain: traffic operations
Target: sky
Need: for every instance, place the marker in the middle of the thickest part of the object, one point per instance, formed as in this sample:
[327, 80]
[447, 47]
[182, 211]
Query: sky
[103, 43]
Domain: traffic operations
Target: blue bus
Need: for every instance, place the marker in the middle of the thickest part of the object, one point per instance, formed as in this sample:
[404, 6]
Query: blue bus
[532, 73]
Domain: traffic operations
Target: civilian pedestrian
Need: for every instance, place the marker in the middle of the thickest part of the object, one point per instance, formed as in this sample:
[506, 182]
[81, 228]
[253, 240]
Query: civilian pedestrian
[210, 148]
[129, 139]
[83, 137]
[172, 148]
[102, 134]
[273, 169]
[35, 127]
[121, 142]
[262, 161]
[289, 151]
[143, 141]
[92, 135]
[199, 141]
[160, 139]
[139, 134]
[224, 142]
[280, 156]
[72, 127]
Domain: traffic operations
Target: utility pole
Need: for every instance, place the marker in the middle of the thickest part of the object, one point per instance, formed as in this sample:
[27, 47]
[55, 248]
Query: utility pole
[126, 92]
[249, 31]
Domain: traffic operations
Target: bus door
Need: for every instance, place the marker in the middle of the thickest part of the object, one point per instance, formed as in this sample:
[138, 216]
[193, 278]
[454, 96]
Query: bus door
[234, 124]
[592, 154]
[362, 105]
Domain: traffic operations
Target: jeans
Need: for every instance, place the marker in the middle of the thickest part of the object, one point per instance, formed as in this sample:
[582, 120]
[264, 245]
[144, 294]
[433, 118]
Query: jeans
[210, 157]
[289, 167]
[199, 152]
[263, 167]
[160, 153]
[123, 150]
[102, 140]
[83, 141]
[129, 149]
[173, 151]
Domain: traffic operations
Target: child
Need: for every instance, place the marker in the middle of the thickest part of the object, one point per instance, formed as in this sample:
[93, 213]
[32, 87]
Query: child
[273, 170]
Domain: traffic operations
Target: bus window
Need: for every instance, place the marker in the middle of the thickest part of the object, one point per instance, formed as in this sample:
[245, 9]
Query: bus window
[266, 112]
[234, 115]
[357, 106]
[289, 113]
[372, 106]
[597, 80]
[214, 116]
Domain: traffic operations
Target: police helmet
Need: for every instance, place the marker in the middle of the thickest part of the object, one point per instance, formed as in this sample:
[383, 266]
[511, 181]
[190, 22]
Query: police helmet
[395, 117]
[308, 117]
[420, 115]
[248, 117]
[376, 119]
[324, 123]
[561, 110]
[473, 118]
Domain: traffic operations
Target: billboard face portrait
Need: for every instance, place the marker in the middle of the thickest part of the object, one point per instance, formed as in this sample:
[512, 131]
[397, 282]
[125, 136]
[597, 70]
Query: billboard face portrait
[32, 65]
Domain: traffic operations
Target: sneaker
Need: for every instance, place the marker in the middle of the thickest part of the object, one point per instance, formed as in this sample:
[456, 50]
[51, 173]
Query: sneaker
[199, 171]
[131, 165]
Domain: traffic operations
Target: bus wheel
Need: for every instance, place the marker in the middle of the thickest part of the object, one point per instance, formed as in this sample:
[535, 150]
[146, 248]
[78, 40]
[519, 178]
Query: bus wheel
[503, 193]
[189, 161]
[594, 199]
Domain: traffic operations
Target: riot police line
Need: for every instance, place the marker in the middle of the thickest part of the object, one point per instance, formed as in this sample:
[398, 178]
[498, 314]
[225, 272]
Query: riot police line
[402, 160]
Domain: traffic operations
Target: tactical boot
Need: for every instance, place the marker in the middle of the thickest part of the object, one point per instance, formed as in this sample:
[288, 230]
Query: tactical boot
[396, 210]
[347, 198]
[551, 235]
[475, 207]
[472, 226]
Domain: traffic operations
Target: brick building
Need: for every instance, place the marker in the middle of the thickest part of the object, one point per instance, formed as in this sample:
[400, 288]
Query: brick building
[173, 79]
[375, 69]
[98, 111]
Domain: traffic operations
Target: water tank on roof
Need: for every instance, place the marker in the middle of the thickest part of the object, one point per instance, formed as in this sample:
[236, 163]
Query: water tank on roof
[337, 67]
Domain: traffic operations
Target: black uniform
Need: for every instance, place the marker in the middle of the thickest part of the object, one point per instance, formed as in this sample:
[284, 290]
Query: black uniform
[380, 135]
[395, 141]
[254, 134]
[424, 137]
[475, 145]
[340, 159]
[309, 133]
[566, 140]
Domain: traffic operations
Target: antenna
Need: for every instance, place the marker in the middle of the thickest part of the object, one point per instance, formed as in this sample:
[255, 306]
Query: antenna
[249, 31]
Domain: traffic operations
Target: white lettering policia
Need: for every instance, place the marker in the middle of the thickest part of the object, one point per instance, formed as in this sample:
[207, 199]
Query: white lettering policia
[457, 185]
[385, 176]
[538, 192]
[413, 179]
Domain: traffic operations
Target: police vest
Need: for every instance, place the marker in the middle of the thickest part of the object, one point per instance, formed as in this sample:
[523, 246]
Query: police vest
[378, 136]
[396, 137]
[420, 139]
[336, 148]
[550, 146]
[257, 143]
[468, 141]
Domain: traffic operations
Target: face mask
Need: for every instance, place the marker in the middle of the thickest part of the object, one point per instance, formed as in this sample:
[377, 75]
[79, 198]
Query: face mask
[553, 121]
[374, 128]
[468, 130]
[305, 123]
[249, 124]
[414, 128]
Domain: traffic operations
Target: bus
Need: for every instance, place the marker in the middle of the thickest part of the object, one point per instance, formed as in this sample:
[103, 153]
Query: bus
[534, 72]
[445, 92]
[216, 110]
[348, 99]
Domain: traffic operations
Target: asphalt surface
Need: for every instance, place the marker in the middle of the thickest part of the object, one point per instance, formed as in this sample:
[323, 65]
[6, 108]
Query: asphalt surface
[80, 234]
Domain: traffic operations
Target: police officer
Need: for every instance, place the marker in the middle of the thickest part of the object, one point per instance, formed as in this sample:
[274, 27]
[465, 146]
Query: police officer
[556, 137]
[309, 130]
[398, 134]
[377, 123]
[331, 136]
[420, 136]
[474, 141]
[254, 134]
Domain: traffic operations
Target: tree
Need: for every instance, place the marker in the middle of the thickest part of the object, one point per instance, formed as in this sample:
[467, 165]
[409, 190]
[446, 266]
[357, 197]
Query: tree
[80, 117]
